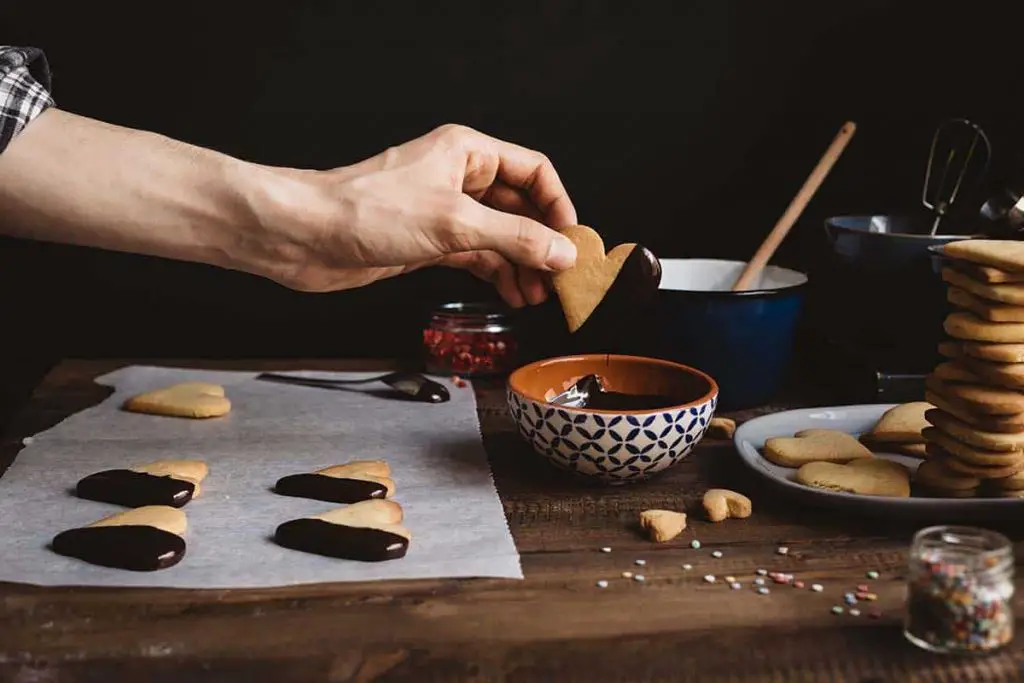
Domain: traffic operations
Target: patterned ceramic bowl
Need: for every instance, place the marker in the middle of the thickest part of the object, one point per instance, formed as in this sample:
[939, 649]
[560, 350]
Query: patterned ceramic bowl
[612, 446]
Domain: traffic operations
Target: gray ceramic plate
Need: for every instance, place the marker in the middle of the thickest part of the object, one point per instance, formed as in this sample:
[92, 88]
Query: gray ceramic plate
[856, 419]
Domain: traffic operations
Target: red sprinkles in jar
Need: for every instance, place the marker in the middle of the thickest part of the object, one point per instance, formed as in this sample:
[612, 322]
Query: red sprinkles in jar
[469, 339]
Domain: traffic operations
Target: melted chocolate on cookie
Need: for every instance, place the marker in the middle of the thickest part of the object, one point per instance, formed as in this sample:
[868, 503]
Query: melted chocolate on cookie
[337, 540]
[133, 547]
[331, 489]
[135, 489]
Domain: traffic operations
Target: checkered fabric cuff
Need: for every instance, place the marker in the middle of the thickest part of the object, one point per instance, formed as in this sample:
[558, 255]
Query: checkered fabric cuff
[24, 89]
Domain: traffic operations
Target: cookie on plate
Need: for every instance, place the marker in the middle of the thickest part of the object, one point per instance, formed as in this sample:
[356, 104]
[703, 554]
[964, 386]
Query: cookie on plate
[900, 424]
[936, 478]
[865, 477]
[814, 445]
[1005, 255]
[969, 327]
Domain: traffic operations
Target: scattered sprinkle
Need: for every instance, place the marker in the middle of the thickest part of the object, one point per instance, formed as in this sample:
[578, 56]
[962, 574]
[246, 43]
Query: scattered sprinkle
[782, 550]
[763, 590]
[849, 599]
[640, 578]
[710, 578]
[627, 575]
[606, 549]
[602, 584]
[640, 563]
[837, 610]
[762, 572]
[863, 588]
[27, 440]
[817, 587]
[759, 581]
[695, 544]
[460, 383]
[874, 614]
[782, 578]
[798, 584]
[872, 574]
[687, 567]
[870, 597]
[731, 579]
[716, 554]
[855, 613]
[735, 585]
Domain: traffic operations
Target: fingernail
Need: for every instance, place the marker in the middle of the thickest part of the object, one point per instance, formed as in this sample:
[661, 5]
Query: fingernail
[561, 253]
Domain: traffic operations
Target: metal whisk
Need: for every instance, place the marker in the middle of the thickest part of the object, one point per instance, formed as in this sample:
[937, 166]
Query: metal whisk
[959, 140]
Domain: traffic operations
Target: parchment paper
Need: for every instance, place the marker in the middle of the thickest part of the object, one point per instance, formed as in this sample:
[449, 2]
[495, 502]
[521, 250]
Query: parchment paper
[443, 481]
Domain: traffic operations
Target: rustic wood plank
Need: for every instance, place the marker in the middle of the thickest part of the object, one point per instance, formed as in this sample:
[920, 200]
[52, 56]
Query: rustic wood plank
[555, 625]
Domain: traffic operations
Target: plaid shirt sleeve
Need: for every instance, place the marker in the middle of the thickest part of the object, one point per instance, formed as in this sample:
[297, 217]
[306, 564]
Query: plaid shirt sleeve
[24, 89]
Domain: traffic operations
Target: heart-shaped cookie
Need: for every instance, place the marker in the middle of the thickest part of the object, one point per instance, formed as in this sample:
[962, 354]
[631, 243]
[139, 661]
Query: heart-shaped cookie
[367, 531]
[142, 539]
[197, 400]
[814, 445]
[875, 477]
[582, 288]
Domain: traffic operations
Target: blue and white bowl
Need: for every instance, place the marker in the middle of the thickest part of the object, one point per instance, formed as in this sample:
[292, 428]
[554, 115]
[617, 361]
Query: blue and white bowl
[612, 446]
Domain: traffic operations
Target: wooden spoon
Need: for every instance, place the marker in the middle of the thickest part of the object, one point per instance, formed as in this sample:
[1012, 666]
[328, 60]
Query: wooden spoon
[764, 253]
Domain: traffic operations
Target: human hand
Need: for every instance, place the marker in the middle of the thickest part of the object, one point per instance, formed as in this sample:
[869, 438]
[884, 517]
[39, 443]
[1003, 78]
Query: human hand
[453, 197]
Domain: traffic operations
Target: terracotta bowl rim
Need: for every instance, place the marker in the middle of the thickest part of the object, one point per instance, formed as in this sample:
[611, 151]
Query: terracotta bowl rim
[711, 393]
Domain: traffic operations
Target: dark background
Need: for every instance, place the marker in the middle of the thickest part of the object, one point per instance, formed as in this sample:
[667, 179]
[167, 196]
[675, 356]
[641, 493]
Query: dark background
[686, 126]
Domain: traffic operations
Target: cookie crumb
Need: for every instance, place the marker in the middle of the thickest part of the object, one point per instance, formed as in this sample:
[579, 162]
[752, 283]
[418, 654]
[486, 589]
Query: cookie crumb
[782, 550]
[695, 544]
[817, 587]
[710, 578]
[763, 590]
[602, 584]
[606, 549]
[872, 574]
[716, 554]
[837, 609]
[640, 563]
[627, 575]
[687, 567]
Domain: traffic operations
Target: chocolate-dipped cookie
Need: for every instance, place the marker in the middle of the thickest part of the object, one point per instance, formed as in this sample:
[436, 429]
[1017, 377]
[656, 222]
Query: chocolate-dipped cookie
[348, 483]
[164, 482]
[144, 539]
[368, 531]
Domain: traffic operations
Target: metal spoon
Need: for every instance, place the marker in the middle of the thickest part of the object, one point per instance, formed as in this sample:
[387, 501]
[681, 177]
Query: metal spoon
[411, 384]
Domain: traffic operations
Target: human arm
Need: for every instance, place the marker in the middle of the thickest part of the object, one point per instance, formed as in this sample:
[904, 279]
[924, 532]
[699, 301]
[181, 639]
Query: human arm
[453, 197]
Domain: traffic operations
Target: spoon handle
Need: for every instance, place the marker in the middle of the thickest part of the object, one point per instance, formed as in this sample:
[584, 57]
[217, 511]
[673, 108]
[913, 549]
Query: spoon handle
[796, 207]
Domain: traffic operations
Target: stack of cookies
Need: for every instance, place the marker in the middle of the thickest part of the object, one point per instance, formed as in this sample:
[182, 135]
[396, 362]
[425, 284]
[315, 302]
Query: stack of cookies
[975, 443]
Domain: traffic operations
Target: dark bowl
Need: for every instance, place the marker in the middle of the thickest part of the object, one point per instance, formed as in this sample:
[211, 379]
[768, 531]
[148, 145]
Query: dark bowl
[882, 242]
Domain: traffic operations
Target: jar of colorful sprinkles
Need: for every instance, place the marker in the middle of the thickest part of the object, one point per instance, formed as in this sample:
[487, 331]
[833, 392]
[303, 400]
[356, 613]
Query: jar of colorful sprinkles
[960, 590]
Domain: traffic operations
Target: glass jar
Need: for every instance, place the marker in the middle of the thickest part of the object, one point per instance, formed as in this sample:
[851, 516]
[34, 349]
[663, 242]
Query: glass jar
[470, 339]
[960, 590]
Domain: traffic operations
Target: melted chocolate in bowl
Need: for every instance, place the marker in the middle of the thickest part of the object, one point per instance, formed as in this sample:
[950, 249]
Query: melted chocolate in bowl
[614, 400]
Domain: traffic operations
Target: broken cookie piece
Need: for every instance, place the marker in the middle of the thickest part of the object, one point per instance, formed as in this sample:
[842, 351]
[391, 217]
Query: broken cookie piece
[662, 525]
[144, 539]
[349, 483]
[164, 482]
[368, 531]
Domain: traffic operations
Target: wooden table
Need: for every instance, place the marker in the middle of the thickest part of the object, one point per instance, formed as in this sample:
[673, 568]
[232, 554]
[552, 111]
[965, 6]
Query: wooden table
[556, 625]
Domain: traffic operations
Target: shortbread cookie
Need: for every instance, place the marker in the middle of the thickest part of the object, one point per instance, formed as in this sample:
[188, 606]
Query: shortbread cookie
[997, 353]
[1011, 493]
[951, 349]
[197, 400]
[986, 310]
[1012, 466]
[901, 424]
[936, 474]
[1007, 255]
[721, 428]
[164, 482]
[814, 445]
[348, 483]
[1010, 293]
[914, 450]
[721, 504]
[979, 398]
[1009, 375]
[662, 525]
[877, 478]
[954, 371]
[143, 539]
[986, 273]
[972, 436]
[972, 454]
[581, 288]
[969, 327]
[368, 531]
[1014, 482]
[1009, 424]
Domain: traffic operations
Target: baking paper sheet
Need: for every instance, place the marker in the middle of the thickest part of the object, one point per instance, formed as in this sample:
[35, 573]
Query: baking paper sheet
[443, 481]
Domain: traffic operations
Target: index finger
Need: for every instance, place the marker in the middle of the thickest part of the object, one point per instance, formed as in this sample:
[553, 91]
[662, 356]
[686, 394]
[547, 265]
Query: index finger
[530, 171]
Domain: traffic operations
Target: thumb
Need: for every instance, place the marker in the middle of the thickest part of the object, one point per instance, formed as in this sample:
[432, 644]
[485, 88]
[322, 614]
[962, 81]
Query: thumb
[519, 239]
